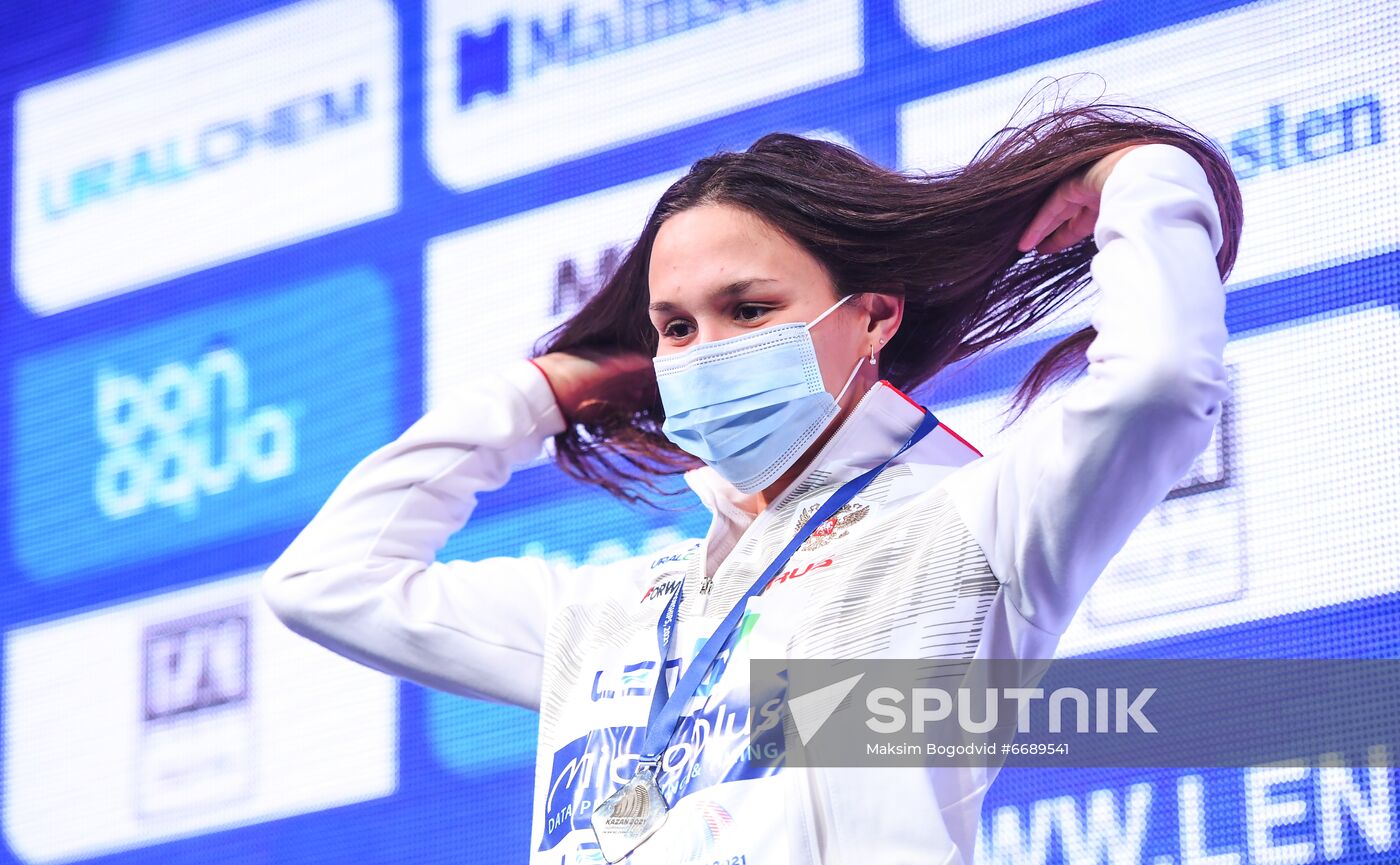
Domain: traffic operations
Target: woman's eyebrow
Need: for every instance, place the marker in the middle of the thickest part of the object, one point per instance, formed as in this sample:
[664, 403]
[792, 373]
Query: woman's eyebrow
[733, 289]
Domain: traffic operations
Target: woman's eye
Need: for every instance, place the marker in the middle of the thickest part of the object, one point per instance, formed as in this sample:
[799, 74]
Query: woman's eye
[750, 312]
[676, 330]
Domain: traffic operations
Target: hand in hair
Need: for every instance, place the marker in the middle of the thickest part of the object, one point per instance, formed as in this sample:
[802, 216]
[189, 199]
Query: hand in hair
[580, 379]
[1069, 214]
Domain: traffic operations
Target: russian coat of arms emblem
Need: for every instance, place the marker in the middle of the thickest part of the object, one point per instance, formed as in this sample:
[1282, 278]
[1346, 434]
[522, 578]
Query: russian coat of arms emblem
[835, 528]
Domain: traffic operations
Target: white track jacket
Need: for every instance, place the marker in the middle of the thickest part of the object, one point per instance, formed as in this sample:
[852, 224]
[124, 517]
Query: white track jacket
[947, 553]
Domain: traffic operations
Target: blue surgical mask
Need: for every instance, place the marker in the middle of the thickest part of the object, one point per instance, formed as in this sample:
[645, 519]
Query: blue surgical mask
[749, 406]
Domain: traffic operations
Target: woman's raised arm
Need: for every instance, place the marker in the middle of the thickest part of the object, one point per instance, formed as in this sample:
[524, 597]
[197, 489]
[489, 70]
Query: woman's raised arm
[362, 580]
[1052, 508]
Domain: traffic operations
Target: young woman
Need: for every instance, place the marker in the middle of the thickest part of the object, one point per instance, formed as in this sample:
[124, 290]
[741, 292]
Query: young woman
[766, 321]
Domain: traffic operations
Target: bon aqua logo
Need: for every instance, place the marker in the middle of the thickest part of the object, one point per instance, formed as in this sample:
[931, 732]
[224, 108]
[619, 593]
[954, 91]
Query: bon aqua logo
[184, 432]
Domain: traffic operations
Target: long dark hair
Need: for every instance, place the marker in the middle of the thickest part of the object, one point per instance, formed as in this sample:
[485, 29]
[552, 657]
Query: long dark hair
[946, 242]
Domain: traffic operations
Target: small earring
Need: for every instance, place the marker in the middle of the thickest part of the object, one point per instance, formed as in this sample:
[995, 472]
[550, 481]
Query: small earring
[872, 355]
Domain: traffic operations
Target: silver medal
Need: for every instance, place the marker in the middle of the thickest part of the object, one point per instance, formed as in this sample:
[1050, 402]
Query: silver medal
[630, 815]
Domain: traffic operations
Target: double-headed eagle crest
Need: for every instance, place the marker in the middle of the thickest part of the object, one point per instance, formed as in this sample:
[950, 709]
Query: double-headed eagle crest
[834, 528]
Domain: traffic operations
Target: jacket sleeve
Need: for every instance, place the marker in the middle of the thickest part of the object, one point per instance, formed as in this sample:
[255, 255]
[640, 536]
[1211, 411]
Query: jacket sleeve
[1054, 506]
[362, 580]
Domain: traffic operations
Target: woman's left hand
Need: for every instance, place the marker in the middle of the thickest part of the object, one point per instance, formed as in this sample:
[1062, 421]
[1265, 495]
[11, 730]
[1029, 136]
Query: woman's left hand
[1069, 214]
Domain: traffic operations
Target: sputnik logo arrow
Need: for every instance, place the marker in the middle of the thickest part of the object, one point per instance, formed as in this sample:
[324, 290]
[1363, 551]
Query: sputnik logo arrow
[811, 710]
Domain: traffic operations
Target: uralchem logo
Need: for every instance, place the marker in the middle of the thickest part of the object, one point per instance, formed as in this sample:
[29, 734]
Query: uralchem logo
[184, 432]
[504, 79]
[259, 134]
[214, 146]
[225, 421]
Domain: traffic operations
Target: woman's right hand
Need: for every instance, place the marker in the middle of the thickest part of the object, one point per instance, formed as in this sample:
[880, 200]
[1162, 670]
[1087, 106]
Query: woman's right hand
[578, 378]
[1070, 213]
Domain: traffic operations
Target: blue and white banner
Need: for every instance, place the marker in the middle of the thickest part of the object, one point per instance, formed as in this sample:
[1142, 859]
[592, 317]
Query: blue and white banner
[250, 241]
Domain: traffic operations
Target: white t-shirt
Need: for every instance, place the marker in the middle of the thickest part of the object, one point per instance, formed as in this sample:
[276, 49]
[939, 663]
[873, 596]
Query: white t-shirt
[947, 554]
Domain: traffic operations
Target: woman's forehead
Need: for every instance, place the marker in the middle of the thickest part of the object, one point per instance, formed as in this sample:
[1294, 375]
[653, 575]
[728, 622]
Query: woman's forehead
[707, 250]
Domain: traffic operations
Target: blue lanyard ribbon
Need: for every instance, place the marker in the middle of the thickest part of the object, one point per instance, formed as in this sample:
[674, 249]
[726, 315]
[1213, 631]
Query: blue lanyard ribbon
[666, 708]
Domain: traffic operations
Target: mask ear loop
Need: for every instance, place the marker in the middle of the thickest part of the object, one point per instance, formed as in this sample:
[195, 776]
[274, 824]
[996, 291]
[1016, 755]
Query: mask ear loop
[859, 363]
[852, 377]
[829, 310]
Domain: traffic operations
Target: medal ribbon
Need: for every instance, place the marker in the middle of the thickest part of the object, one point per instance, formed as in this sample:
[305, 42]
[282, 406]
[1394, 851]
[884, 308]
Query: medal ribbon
[666, 708]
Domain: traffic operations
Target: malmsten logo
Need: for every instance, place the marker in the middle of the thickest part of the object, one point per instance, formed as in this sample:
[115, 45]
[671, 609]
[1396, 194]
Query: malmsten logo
[489, 62]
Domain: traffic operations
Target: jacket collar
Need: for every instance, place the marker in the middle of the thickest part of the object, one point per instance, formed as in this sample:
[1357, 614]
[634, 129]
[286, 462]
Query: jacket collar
[881, 422]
